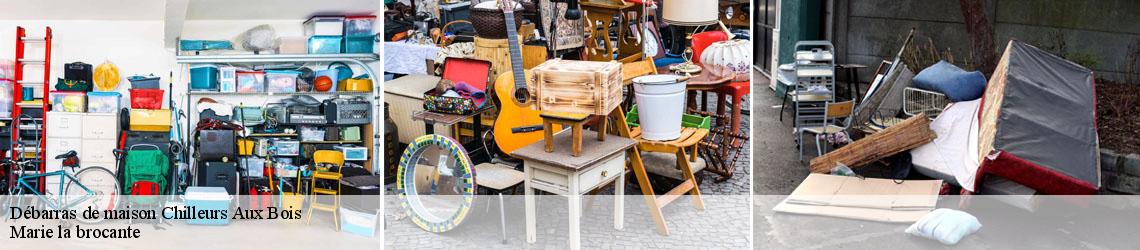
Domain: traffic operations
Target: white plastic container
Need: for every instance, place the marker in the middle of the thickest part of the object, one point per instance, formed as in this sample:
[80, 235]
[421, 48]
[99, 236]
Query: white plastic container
[227, 79]
[324, 26]
[660, 104]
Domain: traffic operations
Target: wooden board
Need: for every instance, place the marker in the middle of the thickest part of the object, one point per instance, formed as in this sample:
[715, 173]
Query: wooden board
[991, 106]
[907, 135]
[583, 87]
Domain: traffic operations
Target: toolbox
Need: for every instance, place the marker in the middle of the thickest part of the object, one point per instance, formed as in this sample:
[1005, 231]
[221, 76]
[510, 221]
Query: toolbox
[208, 198]
[153, 120]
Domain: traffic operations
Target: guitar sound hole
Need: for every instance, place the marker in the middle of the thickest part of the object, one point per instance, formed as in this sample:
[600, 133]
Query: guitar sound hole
[522, 95]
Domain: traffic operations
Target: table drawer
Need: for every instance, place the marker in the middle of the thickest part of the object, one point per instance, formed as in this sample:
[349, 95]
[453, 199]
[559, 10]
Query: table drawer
[549, 178]
[604, 170]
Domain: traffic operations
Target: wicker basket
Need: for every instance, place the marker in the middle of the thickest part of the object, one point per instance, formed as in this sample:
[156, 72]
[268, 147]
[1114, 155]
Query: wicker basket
[491, 22]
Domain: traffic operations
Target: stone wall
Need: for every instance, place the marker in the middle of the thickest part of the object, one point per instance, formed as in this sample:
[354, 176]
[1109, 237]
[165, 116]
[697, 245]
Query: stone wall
[1096, 34]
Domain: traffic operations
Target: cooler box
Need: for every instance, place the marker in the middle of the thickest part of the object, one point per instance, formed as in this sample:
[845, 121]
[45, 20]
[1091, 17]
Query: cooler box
[204, 77]
[359, 223]
[153, 120]
[208, 198]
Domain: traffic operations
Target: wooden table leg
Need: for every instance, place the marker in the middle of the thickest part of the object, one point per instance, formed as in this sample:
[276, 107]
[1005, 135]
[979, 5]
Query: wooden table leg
[687, 172]
[575, 216]
[619, 201]
[576, 133]
[548, 135]
[602, 126]
[639, 171]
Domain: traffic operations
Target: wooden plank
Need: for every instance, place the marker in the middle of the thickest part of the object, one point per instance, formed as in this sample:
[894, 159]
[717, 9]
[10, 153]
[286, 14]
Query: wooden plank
[907, 135]
[675, 193]
[991, 105]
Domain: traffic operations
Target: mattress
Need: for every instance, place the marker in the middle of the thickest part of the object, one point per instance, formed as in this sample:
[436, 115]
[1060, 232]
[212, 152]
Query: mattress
[949, 156]
[405, 96]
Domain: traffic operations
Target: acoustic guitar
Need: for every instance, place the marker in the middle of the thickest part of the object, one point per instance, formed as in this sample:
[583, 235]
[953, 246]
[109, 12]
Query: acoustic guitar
[518, 123]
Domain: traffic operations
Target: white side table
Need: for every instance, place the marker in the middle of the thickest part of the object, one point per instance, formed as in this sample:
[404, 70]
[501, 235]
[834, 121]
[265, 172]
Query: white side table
[557, 172]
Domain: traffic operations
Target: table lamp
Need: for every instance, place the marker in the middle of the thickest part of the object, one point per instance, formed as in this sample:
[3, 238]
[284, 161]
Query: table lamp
[689, 13]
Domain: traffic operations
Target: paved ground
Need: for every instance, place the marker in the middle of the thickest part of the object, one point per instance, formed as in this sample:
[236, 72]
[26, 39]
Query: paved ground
[1104, 222]
[723, 225]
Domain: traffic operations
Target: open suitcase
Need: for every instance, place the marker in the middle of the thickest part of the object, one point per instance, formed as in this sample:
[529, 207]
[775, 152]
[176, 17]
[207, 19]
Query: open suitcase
[471, 71]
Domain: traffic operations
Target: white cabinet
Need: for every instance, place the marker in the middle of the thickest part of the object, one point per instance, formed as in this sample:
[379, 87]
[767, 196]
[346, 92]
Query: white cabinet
[101, 126]
[93, 136]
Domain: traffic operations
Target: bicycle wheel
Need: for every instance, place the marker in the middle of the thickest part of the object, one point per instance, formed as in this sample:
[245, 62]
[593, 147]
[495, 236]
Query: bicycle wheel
[103, 187]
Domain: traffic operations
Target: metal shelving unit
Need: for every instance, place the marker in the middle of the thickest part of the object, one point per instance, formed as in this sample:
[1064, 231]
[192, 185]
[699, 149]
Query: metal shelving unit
[361, 60]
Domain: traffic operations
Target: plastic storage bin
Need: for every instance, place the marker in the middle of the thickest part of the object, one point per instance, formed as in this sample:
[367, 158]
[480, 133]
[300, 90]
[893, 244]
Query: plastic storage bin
[287, 147]
[359, 44]
[278, 81]
[204, 77]
[353, 153]
[250, 81]
[227, 79]
[253, 166]
[325, 44]
[208, 198]
[359, 25]
[104, 102]
[68, 101]
[6, 98]
[144, 82]
[324, 26]
[146, 98]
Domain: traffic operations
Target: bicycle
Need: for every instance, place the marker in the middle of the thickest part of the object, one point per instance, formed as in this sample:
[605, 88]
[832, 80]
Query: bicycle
[100, 191]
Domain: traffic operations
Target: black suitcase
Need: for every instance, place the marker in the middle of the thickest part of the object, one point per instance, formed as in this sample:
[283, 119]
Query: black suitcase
[219, 174]
[215, 145]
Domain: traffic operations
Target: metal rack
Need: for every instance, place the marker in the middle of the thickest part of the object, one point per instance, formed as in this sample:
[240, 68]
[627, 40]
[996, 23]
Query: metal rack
[361, 60]
[814, 86]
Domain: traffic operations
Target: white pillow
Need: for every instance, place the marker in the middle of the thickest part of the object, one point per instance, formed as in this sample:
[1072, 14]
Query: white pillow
[945, 225]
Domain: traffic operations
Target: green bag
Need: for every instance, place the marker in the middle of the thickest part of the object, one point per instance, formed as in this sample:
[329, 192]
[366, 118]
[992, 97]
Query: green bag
[72, 85]
[146, 164]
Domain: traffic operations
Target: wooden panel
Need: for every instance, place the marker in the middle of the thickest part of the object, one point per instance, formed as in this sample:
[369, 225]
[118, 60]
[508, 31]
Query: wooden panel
[898, 138]
[578, 86]
[991, 105]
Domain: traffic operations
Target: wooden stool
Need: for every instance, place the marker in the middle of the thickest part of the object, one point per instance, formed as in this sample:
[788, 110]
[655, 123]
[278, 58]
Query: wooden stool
[575, 121]
[599, 17]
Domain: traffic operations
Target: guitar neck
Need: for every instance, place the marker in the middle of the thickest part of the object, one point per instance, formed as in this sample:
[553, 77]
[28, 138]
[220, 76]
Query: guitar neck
[516, 51]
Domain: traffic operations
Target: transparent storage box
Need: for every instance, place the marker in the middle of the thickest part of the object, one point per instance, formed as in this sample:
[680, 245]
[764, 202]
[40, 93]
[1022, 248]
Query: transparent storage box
[68, 101]
[250, 81]
[324, 26]
[104, 102]
[359, 25]
[281, 81]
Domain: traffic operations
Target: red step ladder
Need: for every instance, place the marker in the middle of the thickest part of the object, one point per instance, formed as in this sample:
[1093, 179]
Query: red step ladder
[18, 151]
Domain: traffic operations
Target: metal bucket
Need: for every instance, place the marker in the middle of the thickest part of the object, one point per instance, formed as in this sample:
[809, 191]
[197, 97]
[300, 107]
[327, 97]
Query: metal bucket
[660, 104]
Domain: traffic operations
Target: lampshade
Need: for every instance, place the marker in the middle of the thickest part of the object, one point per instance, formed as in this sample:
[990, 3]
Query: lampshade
[690, 12]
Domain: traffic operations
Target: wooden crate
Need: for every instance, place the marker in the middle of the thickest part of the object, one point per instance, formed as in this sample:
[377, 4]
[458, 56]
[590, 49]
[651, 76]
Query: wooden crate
[583, 87]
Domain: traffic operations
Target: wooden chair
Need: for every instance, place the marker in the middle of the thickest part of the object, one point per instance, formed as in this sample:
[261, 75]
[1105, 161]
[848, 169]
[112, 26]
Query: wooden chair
[832, 112]
[634, 70]
[321, 161]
